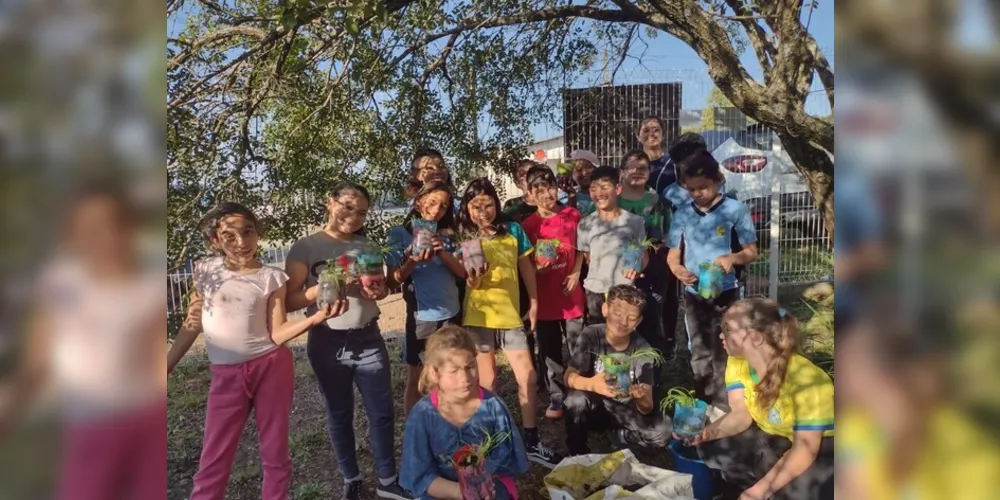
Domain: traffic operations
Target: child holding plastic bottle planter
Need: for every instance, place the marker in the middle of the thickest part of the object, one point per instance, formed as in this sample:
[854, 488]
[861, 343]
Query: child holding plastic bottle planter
[491, 308]
[460, 440]
[552, 229]
[433, 271]
[612, 241]
[239, 305]
[610, 379]
[640, 200]
[776, 441]
[348, 348]
[705, 228]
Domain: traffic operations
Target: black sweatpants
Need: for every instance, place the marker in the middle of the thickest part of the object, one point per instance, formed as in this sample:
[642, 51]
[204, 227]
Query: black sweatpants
[703, 318]
[670, 308]
[588, 412]
[550, 356]
[747, 457]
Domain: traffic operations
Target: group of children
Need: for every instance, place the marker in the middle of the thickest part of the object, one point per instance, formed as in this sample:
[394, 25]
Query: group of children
[459, 315]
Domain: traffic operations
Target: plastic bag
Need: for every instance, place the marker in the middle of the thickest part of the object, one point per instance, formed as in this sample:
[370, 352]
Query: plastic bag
[606, 476]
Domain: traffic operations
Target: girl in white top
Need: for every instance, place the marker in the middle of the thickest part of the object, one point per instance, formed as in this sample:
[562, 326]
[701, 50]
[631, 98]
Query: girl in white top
[239, 304]
[96, 338]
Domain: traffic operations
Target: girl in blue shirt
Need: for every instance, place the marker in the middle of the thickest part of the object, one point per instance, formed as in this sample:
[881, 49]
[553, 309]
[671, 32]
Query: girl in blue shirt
[433, 274]
[457, 411]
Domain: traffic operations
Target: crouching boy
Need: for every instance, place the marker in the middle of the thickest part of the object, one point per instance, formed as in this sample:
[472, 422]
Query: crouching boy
[596, 400]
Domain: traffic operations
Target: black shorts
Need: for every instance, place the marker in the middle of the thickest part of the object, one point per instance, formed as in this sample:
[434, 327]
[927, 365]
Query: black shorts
[413, 347]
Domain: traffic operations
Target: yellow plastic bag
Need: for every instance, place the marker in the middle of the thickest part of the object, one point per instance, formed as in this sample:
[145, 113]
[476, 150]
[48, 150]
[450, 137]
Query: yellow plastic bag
[601, 477]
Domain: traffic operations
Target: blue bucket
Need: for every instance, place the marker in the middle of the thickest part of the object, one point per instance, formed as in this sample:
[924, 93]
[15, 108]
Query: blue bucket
[701, 474]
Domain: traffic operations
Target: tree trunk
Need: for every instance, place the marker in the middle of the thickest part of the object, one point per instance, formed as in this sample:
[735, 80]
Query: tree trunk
[818, 174]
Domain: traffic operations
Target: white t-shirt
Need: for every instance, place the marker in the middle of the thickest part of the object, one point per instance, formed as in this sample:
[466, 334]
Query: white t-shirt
[234, 310]
[101, 340]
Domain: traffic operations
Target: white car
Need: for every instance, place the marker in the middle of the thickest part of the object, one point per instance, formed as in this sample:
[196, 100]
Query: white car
[753, 160]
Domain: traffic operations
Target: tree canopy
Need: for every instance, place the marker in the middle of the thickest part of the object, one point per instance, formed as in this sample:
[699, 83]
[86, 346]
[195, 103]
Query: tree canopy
[272, 103]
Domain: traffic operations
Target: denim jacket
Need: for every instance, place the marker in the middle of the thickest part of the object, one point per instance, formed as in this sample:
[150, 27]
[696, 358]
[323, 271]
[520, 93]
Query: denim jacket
[429, 440]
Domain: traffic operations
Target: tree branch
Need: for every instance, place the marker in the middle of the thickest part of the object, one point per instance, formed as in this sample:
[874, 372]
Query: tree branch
[586, 11]
[624, 52]
[762, 46]
[219, 35]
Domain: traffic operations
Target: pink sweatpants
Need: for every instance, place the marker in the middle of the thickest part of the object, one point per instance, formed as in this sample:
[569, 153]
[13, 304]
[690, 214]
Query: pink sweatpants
[120, 456]
[265, 384]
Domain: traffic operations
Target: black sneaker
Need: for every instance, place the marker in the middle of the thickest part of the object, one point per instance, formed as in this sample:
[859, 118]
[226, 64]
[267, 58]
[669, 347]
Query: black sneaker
[543, 455]
[618, 441]
[352, 490]
[393, 491]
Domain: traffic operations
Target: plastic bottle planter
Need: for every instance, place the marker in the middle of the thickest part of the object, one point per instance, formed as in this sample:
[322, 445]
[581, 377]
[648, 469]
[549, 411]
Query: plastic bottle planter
[710, 281]
[423, 231]
[617, 366]
[689, 412]
[546, 253]
[331, 288]
[370, 270]
[632, 255]
[475, 482]
[689, 421]
[473, 258]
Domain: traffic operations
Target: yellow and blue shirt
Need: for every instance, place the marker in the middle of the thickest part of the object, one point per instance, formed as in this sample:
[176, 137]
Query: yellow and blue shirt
[804, 402]
[496, 302]
[958, 459]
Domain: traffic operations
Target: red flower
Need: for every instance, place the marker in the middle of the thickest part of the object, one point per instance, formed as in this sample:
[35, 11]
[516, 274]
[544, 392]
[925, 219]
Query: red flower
[462, 454]
[344, 261]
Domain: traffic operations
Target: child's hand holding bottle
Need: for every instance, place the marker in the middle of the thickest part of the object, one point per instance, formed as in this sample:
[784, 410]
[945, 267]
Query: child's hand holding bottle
[683, 275]
[322, 314]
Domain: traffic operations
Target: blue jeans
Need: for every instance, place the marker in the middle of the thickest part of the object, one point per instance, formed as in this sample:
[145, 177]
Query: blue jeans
[337, 357]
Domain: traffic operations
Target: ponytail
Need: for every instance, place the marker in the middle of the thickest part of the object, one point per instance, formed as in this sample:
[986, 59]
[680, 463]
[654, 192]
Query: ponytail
[781, 333]
[783, 341]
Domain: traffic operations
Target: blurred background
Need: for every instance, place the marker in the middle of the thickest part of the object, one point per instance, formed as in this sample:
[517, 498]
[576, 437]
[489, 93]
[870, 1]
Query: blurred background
[917, 251]
[82, 247]
[917, 261]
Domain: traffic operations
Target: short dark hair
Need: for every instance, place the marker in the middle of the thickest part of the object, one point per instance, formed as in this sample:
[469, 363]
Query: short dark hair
[635, 153]
[540, 174]
[610, 174]
[699, 164]
[629, 293]
[521, 164]
[685, 145]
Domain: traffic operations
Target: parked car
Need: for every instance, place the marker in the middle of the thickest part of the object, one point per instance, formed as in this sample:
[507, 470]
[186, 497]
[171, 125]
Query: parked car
[752, 162]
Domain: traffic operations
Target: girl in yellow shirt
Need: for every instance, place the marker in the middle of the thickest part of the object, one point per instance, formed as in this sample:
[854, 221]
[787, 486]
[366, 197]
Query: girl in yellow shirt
[777, 439]
[492, 305]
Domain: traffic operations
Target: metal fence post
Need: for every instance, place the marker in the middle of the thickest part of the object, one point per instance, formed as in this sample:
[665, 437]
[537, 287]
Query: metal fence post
[774, 256]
